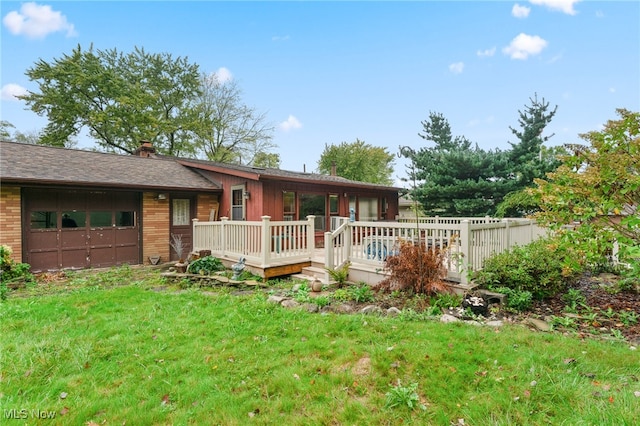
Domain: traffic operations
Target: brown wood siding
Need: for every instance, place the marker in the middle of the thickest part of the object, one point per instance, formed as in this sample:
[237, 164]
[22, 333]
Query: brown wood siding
[10, 220]
[205, 203]
[155, 227]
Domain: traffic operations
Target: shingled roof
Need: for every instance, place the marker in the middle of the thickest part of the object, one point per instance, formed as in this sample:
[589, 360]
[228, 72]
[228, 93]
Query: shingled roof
[25, 163]
[265, 173]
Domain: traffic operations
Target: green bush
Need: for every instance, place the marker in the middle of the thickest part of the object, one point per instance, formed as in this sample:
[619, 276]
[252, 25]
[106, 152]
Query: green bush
[206, 265]
[10, 271]
[517, 300]
[539, 268]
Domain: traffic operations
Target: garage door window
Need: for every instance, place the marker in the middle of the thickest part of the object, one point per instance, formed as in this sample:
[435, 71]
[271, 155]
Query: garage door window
[74, 219]
[124, 218]
[100, 219]
[44, 220]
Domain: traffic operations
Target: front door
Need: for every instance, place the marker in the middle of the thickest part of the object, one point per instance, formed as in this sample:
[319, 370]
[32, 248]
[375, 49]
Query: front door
[183, 209]
[238, 202]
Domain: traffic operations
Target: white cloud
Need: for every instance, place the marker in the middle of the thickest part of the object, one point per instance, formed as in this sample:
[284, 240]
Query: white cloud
[37, 21]
[565, 6]
[486, 52]
[280, 38]
[524, 45]
[457, 67]
[599, 14]
[520, 11]
[290, 123]
[223, 75]
[612, 90]
[11, 91]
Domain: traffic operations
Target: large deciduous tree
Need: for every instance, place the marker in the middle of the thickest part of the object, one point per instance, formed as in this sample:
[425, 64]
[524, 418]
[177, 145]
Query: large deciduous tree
[233, 132]
[358, 161]
[597, 189]
[455, 177]
[120, 98]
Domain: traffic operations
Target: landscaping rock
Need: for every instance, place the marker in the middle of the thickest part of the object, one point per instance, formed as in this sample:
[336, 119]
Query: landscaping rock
[275, 299]
[538, 324]
[393, 311]
[494, 323]
[312, 307]
[446, 318]
[371, 310]
[289, 303]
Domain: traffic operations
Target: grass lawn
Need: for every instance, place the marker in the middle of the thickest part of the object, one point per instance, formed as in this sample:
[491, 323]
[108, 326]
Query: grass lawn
[94, 352]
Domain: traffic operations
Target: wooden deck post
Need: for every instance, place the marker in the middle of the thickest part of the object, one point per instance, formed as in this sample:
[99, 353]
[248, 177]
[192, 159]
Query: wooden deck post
[266, 240]
[223, 235]
[465, 249]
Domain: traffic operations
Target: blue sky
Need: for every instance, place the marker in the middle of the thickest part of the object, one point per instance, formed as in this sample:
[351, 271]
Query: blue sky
[328, 72]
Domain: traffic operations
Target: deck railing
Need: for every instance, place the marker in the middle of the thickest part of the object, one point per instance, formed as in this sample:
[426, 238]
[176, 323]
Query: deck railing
[264, 243]
[466, 242]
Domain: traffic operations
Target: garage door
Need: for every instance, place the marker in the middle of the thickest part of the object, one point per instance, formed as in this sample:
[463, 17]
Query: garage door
[81, 229]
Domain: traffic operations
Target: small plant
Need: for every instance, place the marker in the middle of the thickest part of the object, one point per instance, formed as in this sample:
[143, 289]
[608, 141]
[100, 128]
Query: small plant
[609, 313]
[573, 298]
[341, 295]
[404, 396]
[565, 322]
[301, 295]
[205, 265]
[628, 317]
[517, 300]
[362, 293]
[339, 275]
[617, 334]
[445, 300]
[178, 246]
[321, 301]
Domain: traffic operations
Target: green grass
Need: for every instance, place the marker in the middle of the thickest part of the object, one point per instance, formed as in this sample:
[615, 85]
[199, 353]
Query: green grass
[124, 353]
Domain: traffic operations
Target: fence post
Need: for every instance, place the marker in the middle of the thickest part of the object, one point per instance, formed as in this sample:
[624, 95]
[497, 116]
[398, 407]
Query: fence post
[507, 234]
[196, 239]
[266, 240]
[328, 252]
[465, 250]
[223, 236]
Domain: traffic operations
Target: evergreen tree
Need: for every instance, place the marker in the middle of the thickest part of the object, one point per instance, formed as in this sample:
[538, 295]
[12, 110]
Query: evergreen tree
[528, 158]
[455, 177]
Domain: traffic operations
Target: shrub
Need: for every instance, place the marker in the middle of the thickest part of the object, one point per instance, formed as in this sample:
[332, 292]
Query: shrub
[517, 300]
[10, 271]
[416, 269]
[361, 293]
[205, 265]
[538, 267]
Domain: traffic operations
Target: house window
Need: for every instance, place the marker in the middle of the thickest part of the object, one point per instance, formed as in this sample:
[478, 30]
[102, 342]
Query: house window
[289, 205]
[313, 204]
[181, 211]
[333, 204]
[367, 209]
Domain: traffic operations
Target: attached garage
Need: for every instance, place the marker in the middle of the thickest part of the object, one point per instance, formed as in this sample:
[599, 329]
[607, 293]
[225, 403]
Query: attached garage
[80, 228]
[71, 209]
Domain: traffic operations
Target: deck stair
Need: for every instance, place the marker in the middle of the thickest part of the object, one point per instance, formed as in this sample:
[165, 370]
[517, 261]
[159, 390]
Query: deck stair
[312, 273]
